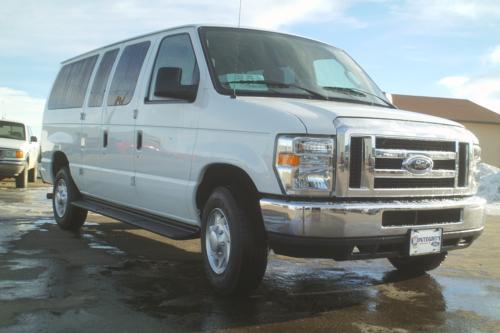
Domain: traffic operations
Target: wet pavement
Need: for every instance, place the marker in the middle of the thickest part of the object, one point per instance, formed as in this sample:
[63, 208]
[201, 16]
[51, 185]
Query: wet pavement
[114, 277]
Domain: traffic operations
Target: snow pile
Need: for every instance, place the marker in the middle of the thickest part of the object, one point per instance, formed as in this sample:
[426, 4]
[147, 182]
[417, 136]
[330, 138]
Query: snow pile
[489, 187]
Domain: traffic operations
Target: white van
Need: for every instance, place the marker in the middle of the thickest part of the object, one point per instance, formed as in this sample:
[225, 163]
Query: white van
[256, 140]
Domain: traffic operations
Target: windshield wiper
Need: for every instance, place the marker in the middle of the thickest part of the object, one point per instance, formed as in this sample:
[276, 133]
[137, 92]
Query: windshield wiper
[357, 92]
[277, 84]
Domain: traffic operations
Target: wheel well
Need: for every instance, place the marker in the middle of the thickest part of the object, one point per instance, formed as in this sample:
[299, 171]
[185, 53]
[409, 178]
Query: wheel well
[59, 160]
[227, 175]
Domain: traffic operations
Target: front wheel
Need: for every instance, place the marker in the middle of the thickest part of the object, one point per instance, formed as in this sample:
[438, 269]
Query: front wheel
[33, 174]
[418, 265]
[65, 192]
[234, 247]
[22, 178]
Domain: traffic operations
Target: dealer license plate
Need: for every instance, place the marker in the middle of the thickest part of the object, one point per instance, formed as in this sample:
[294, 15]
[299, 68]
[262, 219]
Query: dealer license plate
[425, 241]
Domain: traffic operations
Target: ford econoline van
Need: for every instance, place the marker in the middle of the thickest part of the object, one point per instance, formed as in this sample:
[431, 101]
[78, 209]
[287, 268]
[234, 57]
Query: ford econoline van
[254, 140]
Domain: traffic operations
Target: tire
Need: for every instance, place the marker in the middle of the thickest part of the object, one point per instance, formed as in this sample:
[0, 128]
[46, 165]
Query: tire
[33, 174]
[22, 178]
[248, 248]
[67, 216]
[420, 264]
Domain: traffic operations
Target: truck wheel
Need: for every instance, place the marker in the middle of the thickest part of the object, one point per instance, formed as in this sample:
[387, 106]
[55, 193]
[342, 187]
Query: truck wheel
[418, 265]
[22, 178]
[234, 249]
[67, 216]
[33, 174]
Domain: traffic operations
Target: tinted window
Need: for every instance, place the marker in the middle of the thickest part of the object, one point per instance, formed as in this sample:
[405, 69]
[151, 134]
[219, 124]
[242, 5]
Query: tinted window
[71, 84]
[10, 130]
[101, 78]
[260, 63]
[176, 51]
[126, 74]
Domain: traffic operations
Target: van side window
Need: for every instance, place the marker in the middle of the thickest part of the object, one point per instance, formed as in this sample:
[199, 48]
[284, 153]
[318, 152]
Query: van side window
[126, 74]
[71, 84]
[101, 78]
[176, 51]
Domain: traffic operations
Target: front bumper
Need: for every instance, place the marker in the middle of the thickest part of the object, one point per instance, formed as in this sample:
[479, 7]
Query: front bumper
[350, 230]
[11, 168]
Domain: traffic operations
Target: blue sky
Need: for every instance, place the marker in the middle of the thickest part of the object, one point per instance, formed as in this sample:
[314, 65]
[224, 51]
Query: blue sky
[437, 48]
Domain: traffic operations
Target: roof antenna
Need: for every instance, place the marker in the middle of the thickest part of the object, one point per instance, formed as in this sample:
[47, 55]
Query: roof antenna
[239, 15]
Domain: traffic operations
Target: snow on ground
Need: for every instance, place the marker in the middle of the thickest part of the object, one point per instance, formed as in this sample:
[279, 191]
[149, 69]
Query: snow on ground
[489, 187]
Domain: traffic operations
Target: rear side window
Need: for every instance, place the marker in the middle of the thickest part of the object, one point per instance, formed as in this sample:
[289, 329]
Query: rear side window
[101, 78]
[126, 74]
[176, 51]
[71, 84]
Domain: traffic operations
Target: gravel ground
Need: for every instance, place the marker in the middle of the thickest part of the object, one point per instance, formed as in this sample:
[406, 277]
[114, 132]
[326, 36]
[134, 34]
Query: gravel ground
[114, 277]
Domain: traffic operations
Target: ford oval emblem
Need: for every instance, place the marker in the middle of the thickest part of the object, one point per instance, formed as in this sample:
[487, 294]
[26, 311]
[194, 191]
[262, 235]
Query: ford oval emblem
[418, 164]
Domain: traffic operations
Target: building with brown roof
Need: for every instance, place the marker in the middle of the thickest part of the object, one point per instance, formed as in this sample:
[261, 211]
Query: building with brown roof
[484, 123]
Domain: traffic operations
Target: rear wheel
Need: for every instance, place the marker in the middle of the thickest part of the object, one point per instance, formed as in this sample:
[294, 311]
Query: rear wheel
[65, 192]
[418, 265]
[22, 178]
[234, 247]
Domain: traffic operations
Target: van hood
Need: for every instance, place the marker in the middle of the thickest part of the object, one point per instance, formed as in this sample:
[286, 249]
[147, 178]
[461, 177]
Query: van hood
[318, 116]
[12, 144]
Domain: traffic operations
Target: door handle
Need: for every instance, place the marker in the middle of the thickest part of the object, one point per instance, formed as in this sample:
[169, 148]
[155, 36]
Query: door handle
[139, 140]
[105, 139]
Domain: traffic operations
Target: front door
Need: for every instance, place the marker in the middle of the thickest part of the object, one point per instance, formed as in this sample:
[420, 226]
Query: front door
[166, 128]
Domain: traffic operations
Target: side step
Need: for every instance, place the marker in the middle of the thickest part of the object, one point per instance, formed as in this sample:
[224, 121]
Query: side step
[160, 225]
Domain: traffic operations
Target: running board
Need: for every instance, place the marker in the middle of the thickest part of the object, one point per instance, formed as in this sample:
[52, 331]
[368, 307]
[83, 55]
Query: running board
[159, 225]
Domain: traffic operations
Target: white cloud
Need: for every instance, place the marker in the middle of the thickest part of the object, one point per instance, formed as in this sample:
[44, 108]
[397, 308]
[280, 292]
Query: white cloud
[484, 90]
[494, 56]
[429, 14]
[67, 28]
[18, 105]
[481, 89]
[453, 81]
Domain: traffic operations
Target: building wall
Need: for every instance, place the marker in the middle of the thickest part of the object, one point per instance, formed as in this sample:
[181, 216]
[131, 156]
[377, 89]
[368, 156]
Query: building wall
[489, 138]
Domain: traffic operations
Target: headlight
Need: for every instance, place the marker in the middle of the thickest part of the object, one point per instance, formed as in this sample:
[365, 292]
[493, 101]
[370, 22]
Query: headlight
[14, 154]
[305, 165]
[476, 153]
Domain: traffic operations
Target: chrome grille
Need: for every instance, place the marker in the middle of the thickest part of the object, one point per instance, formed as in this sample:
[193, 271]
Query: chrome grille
[390, 154]
[377, 163]
[371, 152]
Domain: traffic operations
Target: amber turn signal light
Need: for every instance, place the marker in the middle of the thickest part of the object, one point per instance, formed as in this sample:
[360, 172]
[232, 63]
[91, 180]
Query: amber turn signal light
[19, 154]
[286, 159]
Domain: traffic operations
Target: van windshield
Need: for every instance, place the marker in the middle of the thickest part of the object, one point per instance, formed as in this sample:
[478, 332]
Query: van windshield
[260, 63]
[9, 130]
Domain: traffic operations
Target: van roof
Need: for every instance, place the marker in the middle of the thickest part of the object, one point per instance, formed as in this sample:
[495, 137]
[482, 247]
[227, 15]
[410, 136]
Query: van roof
[193, 26]
[126, 40]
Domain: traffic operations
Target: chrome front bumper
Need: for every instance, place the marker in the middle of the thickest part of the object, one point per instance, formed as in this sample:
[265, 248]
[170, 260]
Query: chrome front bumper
[353, 223]
[11, 168]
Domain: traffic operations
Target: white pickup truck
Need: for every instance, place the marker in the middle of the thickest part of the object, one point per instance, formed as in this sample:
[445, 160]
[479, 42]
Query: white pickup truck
[19, 153]
[256, 140]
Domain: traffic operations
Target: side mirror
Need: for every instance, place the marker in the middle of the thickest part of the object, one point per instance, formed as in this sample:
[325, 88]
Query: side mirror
[168, 84]
[33, 139]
